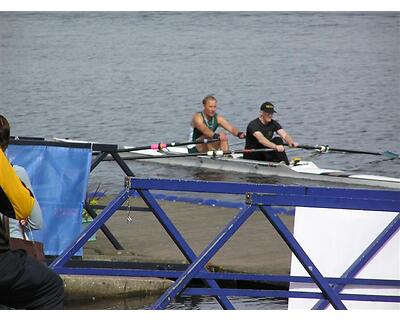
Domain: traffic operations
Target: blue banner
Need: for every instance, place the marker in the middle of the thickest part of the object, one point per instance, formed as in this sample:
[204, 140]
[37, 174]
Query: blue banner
[59, 177]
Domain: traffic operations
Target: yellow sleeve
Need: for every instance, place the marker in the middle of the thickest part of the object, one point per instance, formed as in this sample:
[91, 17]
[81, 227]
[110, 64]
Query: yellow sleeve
[16, 200]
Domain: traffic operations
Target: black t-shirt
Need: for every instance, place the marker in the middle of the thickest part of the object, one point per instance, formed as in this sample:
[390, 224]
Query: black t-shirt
[266, 129]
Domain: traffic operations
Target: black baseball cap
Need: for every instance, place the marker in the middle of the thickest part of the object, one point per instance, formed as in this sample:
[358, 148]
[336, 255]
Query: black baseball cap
[267, 107]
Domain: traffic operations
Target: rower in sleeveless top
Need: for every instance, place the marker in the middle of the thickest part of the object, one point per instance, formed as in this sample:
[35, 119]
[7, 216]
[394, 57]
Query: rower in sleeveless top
[204, 125]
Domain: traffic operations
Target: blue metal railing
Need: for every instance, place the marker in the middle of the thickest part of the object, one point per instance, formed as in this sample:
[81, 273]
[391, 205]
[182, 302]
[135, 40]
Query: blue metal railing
[256, 196]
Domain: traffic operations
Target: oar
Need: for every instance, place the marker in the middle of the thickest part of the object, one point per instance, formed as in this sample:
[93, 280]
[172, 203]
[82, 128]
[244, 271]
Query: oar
[160, 146]
[212, 154]
[326, 148]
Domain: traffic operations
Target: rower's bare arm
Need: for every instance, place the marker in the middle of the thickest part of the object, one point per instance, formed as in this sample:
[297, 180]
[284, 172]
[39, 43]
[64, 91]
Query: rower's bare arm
[230, 128]
[197, 122]
[264, 141]
[285, 136]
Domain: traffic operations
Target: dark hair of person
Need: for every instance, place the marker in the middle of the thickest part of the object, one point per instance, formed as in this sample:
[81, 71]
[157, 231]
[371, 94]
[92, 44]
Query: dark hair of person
[4, 133]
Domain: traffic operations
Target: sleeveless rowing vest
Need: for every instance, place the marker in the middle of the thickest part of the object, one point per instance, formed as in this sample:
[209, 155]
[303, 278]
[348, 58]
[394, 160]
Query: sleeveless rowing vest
[211, 124]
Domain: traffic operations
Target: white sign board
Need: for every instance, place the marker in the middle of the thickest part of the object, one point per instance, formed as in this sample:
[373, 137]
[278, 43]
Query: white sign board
[334, 239]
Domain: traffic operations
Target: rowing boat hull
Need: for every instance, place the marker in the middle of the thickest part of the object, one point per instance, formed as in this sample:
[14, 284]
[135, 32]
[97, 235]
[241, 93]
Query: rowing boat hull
[304, 171]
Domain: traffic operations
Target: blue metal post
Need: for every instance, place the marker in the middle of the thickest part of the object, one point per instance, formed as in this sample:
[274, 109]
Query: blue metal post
[363, 259]
[308, 265]
[203, 258]
[179, 241]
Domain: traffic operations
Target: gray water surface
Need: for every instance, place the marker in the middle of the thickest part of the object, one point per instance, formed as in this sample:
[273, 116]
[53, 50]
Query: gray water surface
[135, 78]
[186, 303]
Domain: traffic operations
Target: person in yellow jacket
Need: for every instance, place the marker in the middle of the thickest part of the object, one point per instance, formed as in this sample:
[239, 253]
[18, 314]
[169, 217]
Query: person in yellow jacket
[25, 283]
[16, 200]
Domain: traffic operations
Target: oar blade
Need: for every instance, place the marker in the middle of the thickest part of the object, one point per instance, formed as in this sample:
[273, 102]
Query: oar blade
[390, 155]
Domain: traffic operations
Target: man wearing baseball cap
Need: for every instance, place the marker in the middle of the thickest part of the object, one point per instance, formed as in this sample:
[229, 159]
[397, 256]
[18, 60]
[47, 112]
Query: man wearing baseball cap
[260, 135]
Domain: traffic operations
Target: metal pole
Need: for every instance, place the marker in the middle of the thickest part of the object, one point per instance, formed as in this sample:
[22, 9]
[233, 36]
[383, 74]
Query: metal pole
[180, 241]
[204, 257]
[308, 265]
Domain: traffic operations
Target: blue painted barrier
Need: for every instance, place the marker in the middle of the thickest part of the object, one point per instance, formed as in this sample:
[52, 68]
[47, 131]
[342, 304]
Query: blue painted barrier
[256, 197]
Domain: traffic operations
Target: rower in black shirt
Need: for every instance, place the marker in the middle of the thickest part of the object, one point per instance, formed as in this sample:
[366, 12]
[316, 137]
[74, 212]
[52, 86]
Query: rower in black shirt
[260, 134]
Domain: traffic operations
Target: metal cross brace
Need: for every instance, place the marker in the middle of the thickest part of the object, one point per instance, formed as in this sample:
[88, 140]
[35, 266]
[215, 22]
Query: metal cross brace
[161, 217]
[304, 259]
[116, 157]
[264, 201]
[198, 264]
[194, 269]
[104, 150]
[281, 195]
[364, 258]
[179, 241]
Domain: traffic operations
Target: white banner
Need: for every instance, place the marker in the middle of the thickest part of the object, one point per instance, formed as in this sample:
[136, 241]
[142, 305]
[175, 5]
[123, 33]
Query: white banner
[334, 239]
